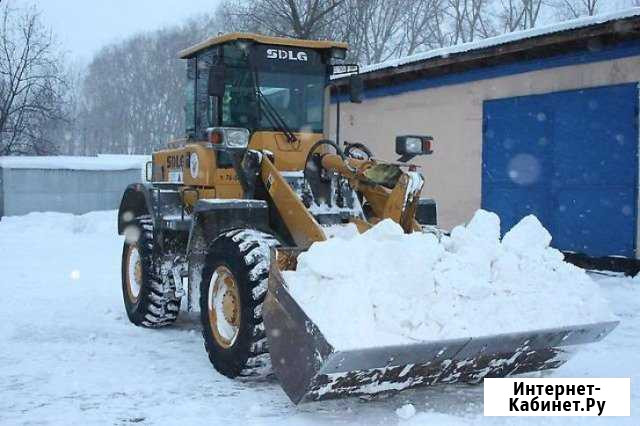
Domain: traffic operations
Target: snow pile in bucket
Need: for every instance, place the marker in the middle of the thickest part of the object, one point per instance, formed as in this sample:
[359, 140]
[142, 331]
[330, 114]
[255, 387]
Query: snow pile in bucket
[385, 287]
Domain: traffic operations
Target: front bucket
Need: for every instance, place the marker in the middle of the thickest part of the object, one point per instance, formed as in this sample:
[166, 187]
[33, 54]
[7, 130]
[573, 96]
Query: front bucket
[309, 368]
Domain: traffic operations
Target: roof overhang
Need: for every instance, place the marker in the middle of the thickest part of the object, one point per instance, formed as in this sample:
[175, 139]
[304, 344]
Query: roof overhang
[262, 39]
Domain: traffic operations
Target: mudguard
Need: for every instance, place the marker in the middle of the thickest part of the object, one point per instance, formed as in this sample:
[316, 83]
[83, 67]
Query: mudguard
[215, 216]
[147, 199]
[136, 201]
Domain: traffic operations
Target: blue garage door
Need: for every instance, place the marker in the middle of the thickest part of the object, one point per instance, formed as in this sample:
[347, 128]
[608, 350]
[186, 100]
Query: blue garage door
[570, 158]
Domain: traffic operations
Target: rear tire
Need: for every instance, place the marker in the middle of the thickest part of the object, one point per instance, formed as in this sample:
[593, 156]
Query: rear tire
[150, 300]
[233, 287]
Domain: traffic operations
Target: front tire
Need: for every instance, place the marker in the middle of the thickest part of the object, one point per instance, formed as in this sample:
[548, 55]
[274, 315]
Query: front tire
[233, 287]
[150, 300]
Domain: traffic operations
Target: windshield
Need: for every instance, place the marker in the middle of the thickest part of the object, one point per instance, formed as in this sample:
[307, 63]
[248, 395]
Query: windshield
[294, 88]
[298, 99]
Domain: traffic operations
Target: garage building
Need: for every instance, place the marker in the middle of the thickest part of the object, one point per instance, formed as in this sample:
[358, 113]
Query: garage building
[543, 121]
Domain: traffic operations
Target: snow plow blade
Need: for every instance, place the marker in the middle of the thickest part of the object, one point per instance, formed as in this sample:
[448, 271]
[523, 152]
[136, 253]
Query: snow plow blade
[310, 369]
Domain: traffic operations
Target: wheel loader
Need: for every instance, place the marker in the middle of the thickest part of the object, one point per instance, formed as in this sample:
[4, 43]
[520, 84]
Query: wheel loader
[253, 183]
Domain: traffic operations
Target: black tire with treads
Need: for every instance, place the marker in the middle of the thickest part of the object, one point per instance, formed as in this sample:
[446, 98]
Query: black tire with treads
[157, 304]
[245, 253]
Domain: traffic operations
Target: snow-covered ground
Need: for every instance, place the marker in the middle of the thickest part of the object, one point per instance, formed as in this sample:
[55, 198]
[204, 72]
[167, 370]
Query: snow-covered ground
[69, 355]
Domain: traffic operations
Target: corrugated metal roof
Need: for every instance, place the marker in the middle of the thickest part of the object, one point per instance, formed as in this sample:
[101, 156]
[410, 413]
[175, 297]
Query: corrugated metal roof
[445, 52]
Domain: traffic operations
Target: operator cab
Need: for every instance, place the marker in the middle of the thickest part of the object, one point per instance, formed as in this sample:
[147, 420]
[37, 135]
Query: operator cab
[258, 83]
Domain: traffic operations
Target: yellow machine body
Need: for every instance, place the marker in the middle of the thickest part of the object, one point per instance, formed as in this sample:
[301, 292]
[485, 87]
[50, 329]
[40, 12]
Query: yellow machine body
[172, 165]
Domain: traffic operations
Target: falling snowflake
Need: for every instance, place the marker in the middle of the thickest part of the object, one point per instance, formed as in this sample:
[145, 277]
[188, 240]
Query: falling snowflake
[524, 169]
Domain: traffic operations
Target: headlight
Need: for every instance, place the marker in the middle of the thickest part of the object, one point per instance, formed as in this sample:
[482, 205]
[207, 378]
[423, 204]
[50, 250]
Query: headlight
[194, 165]
[229, 137]
[411, 145]
[236, 137]
[338, 53]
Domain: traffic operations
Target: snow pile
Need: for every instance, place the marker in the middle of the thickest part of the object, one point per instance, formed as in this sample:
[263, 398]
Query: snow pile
[385, 287]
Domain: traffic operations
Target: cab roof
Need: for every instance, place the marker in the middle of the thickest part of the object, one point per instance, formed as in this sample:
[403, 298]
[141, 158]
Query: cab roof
[262, 39]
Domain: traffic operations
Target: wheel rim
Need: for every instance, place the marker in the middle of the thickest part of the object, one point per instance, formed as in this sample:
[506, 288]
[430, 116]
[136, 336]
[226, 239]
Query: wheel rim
[224, 307]
[134, 273]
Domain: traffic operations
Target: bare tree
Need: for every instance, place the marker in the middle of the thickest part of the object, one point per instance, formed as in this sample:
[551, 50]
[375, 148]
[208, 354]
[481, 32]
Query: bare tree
[132, 99]
[438, 27]
[33, 84]
[511, 15]
[569, 9]
[531, 12]
[294, 18]
[347, 26]
[468, 20]
[235, 14]
[371, 27]
[376, 30]
[381, 23]
[421, 26]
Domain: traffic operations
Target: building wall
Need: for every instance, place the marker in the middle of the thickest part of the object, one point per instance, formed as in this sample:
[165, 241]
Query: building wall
[69, 191]
[452, 114]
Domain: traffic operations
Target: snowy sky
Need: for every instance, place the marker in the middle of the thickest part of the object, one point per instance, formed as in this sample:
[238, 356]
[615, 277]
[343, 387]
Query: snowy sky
[83, 26]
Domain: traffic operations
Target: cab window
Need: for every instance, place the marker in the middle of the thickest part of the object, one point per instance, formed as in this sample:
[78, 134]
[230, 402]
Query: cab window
[206, 107]
[190, 99]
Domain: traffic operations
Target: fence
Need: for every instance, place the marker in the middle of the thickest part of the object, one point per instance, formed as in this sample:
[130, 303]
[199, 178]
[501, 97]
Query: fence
[65, 184]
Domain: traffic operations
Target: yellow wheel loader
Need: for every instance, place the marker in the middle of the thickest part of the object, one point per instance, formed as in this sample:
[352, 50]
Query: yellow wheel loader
[255, 182]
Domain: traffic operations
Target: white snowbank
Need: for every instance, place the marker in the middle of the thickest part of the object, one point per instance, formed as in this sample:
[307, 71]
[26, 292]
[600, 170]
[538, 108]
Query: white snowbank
[101, 162]
[385, 287]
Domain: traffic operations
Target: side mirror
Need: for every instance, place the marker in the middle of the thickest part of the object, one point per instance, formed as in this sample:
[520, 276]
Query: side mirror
[216, 80]
[356, 87]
